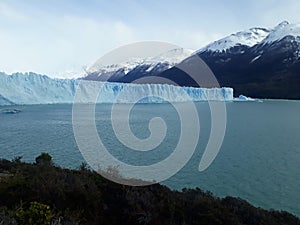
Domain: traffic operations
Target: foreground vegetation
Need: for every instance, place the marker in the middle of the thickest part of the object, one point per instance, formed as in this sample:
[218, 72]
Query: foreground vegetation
[41, 193]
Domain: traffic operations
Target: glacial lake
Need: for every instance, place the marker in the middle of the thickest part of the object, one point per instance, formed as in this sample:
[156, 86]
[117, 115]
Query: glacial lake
[259, 160]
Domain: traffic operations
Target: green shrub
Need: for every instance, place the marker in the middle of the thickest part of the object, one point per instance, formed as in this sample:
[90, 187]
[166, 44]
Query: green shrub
[84, 197]
[44, 159]
[36, 214]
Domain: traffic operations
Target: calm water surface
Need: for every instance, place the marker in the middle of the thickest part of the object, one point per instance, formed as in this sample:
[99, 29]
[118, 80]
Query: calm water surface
[259, 159]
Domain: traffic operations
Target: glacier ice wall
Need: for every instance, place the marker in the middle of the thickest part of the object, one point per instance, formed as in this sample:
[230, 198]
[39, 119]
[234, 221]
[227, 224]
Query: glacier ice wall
[31, 88]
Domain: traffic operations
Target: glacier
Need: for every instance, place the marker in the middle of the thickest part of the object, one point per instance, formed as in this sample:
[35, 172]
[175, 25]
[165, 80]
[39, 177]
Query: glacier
[31, 88]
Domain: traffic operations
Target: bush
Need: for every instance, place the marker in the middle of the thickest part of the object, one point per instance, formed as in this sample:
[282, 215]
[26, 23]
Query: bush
[36, 214]
[53, 195]
[44, 159]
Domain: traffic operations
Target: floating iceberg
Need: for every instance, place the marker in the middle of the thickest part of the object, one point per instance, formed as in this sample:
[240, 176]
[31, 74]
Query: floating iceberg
[31, 88]
[10, 111]
[243, 98]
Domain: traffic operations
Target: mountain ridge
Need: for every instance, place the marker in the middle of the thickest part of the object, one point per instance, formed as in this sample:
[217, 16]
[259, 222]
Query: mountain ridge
[258, 62]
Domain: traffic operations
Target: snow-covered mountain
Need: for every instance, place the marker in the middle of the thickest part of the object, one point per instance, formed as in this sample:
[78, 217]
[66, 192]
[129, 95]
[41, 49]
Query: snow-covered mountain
[31, 88]
[254, 36]
[258, 62]
[171, 57]
[283, 30]
[248, 38]
[151, 65]
[126, 66]
[262, 63]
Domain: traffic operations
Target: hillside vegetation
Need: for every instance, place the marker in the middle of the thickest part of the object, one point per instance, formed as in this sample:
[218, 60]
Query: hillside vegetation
[42, 193]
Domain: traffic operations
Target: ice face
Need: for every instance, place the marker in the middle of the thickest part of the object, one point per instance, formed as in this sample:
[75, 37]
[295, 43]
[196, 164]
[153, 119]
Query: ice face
[30, 88]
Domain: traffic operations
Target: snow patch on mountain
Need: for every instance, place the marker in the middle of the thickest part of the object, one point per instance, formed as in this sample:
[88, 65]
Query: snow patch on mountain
[249, 38]
[169, 59]
[255, 58]
[282, 30]
[254, 36]
[127, 66]
[172, 57]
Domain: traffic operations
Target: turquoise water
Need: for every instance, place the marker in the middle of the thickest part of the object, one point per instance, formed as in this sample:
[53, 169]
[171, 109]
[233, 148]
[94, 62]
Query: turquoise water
[259, 159]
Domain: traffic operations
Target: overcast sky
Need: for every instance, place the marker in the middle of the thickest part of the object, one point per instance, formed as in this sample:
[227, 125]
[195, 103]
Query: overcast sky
[55, 37]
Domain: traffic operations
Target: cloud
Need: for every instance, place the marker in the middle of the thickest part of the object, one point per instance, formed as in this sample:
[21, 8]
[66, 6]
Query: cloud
[61, 46]
[9, 13]
[56, 44]
[52, 37]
